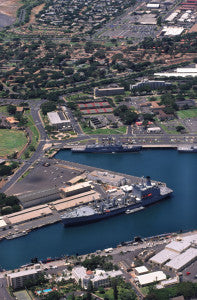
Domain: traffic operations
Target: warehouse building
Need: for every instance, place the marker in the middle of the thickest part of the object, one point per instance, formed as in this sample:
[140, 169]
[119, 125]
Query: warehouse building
[30, 199]
[141, 270]
[18, 279]
[182, 260]
[108, 92]
[162, 257]
[75, 189]
[3, 224]
[178, 246]
[76, 200]
[180, 72]
[149, 278]
[106, 177]
[58, 120]
[28, 214]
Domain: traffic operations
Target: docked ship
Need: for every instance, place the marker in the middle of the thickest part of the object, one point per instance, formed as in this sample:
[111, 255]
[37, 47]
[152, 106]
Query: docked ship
[187, 149]
[106, 148]
[142, 195]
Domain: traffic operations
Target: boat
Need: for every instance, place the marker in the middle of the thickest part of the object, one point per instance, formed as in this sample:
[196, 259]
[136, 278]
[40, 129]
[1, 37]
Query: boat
[106, 148]
[16, 235]
[187, 149]
[142, 195]
[130, 211]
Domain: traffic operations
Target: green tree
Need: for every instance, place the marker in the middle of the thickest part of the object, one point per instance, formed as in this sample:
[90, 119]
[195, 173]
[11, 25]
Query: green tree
[47, 107]
[11, 109]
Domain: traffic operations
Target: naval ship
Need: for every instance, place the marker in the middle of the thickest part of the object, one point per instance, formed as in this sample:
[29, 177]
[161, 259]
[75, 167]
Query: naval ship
[106, 148]
[142, 195]
[187, 149]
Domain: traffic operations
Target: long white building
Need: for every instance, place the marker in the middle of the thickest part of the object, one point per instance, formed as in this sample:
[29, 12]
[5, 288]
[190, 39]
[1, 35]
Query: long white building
[179, 72]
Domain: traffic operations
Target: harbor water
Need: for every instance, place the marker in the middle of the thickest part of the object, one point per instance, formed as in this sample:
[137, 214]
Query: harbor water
[179, 212]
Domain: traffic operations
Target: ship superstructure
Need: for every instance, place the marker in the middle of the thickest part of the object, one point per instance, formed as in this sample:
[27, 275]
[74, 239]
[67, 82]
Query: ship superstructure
[141, 195]
[107, 148]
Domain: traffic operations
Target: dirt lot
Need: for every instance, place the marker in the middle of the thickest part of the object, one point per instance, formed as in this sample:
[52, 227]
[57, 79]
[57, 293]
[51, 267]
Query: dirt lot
[9, 7]
[35, 11]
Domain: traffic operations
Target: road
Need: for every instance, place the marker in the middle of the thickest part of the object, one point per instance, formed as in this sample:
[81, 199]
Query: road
[4, 295]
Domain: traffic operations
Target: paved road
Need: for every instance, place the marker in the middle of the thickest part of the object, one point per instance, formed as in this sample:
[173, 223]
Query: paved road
[4, 295]
[37, 154]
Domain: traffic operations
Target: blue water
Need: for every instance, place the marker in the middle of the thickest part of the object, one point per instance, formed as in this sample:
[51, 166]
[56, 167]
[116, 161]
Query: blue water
[179, 171]
[44, 291]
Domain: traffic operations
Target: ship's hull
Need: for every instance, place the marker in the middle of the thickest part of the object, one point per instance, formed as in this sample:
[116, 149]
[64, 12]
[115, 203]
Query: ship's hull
[188, 151]
[114, 212]
[107, 150]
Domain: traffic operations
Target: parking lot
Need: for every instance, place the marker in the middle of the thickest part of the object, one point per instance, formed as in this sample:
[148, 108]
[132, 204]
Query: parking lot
[44, 177]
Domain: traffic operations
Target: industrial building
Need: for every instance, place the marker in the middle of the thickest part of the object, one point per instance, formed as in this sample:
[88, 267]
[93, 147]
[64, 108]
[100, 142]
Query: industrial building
[182, 260]
[28, 214]
[172, 30]
[149, 278]
[3, 224]
[98, 277]
[29, 199]
[162, 257]
[58, 120]
[141, 270]
[108, 92]
[106, 177]
[75, 189]
[177, 255]
[179, 72]
[75, 200]
[18, 279]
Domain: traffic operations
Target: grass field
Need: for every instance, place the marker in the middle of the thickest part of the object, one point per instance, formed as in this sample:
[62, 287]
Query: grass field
[188, 113]
[120, 130]
[3, 109]
[11, 140]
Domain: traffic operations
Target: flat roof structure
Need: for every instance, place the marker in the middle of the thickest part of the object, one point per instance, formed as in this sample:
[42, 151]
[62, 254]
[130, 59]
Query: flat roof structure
[178, 246]
[180, 261]
[151, 277]
[76, 188]
[163, 256]
[55, 118]
[153, 5]
[29, 214]
[141, 270]
[23, 273]
[173, 30]
[190, 238]
[2, 223]
[76, 201]
[30, 196]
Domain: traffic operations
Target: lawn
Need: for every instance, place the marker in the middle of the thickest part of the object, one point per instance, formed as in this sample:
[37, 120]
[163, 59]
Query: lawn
[120, 130]
[3, 109]
[34, 130]
[187, 113]
[108, 293]
[11, 141]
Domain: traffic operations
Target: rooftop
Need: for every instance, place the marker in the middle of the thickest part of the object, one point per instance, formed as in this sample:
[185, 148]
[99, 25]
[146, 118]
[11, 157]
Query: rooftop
[151, 277]
[181, 260]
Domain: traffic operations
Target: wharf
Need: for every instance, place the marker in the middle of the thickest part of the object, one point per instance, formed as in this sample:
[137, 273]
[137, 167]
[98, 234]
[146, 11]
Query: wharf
[53, 214]
[166, 146]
